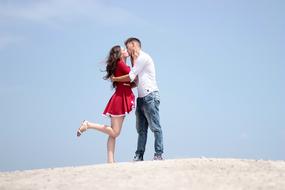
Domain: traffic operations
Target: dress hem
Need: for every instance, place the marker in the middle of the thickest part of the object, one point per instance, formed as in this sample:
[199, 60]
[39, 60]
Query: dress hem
[112, 115]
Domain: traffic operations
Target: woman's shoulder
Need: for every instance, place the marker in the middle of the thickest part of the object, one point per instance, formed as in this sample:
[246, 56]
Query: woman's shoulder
[122, 63]
[123, 67]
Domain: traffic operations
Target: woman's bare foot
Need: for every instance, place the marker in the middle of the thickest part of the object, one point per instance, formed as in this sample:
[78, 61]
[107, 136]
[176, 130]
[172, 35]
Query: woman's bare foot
[83, 127]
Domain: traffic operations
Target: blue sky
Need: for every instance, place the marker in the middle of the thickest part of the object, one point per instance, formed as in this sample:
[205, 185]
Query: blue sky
[220, 69]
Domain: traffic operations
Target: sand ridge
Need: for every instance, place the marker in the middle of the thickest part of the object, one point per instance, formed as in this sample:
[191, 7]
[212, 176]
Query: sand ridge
[177, 174]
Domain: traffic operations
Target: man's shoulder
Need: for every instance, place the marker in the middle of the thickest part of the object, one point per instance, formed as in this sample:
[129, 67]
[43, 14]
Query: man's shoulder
[144, 54]
[146, 57]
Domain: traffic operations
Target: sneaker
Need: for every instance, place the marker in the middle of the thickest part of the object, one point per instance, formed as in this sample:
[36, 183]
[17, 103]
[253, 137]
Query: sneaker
[157, 157]
[138, 157]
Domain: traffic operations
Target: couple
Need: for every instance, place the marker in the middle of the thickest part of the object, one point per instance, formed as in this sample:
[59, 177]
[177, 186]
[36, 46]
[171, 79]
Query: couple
[142, 75]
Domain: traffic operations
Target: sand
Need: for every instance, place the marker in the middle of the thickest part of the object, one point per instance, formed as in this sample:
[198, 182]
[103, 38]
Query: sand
[176, 174]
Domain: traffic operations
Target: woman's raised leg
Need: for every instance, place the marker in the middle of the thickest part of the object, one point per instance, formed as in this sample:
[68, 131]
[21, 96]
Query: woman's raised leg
[109, 130]
[112, 131]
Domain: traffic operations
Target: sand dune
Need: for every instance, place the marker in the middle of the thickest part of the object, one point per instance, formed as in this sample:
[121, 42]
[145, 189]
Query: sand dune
[188, 174]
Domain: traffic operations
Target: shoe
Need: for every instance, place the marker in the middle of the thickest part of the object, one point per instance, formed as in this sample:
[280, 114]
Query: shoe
[157, 157]
[83, 127]
[138, 157]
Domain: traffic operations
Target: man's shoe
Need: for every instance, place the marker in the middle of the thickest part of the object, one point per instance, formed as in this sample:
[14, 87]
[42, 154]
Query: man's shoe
[157, 157]
[138, 157]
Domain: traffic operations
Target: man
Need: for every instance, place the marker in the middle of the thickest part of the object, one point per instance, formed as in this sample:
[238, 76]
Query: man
[147, 111]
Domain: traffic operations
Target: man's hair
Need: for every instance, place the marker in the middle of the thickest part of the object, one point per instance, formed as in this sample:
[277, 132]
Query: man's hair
[132, 39]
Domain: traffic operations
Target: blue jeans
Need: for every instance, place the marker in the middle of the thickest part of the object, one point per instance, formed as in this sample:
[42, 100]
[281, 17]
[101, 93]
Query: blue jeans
[147, 115]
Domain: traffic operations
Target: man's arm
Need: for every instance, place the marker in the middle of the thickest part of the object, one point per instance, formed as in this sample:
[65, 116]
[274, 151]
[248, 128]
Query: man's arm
[134, 83]
[137, 68]
[124, 78]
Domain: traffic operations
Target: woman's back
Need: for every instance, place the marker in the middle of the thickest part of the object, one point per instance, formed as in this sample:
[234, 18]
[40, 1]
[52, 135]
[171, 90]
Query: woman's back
[122, 69]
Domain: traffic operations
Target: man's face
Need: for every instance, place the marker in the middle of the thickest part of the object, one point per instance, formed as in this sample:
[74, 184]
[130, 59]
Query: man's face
[131, 48]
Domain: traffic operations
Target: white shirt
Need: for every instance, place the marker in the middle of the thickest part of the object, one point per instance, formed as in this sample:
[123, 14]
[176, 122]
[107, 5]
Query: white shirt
[144, 69]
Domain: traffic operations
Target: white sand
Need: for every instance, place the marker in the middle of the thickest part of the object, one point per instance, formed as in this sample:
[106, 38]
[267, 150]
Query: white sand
[188, 174]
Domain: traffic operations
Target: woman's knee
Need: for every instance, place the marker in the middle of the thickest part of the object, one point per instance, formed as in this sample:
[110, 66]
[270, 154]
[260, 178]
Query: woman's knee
[116, 134]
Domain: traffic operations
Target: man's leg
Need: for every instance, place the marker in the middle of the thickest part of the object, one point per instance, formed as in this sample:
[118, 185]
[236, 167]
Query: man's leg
[142, 127]
[151, 110]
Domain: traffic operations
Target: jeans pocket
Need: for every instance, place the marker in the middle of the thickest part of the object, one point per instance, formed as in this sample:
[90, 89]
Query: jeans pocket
[148, 99]
[157, 97]
[157, 101]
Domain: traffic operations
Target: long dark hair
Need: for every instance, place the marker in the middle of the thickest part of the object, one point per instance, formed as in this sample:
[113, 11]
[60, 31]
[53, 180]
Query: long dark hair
[112, 60]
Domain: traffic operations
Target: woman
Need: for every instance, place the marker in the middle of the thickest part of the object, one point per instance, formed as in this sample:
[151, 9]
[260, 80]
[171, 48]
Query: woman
[120, 104]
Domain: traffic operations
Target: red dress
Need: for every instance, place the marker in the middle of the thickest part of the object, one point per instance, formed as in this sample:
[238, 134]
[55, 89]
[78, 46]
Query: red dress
[122, 101]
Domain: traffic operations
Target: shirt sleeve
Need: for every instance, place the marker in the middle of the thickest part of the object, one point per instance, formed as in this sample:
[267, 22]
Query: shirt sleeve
[137, 69]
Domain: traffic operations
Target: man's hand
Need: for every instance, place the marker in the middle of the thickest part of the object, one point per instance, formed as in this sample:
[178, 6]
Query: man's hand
[113, 79]
[135, 55]
[133, 85]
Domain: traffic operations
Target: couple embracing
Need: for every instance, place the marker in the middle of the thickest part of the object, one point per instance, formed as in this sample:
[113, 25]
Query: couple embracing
[124, 78]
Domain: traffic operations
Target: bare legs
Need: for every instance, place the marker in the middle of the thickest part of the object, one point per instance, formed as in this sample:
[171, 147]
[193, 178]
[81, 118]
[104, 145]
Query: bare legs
[113, 131]
[116, 123]
[111, 149]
